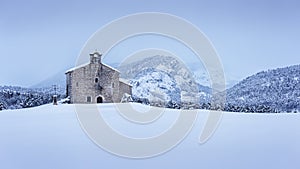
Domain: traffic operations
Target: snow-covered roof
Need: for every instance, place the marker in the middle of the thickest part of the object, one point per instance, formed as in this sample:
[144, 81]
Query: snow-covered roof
[124, 81]
[110, 67]
[80, 66]
[77, 67]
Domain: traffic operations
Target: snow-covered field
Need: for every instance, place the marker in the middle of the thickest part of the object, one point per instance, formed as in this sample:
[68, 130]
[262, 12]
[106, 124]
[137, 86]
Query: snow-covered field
[51, 137]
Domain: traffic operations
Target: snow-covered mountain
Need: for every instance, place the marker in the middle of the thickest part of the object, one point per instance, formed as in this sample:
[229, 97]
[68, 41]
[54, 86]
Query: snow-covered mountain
[163, 77]
[278, 90]
[156, 86]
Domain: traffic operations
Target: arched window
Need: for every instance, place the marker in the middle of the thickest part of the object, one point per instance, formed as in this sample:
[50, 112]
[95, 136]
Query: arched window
[96, 80]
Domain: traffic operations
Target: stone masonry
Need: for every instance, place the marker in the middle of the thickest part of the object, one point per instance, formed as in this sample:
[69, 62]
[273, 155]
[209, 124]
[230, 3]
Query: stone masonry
[95, 82]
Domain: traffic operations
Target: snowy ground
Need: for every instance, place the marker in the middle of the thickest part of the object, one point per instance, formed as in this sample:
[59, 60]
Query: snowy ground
[51, 137]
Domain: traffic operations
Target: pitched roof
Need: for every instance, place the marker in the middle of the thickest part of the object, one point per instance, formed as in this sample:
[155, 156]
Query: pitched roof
[76, 67]
[83, 65]
[124, 81]
[110, 67]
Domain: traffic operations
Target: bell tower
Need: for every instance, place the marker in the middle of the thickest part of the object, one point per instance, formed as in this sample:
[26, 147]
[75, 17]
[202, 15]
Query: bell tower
[95, 57]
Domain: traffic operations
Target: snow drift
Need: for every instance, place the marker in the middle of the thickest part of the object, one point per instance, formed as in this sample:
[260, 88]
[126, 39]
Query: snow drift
[50, 137]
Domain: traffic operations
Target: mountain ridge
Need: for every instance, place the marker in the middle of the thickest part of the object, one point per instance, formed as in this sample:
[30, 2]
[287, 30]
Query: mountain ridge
[278, 89]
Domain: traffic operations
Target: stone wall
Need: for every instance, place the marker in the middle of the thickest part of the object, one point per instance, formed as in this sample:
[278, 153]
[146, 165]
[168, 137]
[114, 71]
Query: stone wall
[69, 85]
[82, 83]
[95, 80]
[124, 88]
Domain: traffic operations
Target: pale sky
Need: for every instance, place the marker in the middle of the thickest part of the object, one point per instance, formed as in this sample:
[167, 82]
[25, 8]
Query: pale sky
[38, 39]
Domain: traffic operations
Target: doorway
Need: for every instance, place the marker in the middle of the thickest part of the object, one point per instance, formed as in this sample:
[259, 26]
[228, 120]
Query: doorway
[99, 99]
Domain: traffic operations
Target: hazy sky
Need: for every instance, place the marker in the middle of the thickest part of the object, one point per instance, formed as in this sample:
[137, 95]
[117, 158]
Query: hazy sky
[41, 38]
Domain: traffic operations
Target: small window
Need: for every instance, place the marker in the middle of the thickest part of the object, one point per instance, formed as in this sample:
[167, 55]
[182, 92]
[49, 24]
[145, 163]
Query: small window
[76, 84]
[89, 99]
[96, 80]
[113, 85]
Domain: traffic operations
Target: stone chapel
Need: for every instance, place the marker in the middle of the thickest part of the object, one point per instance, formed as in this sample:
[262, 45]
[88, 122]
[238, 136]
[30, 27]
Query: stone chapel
[95, 82]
